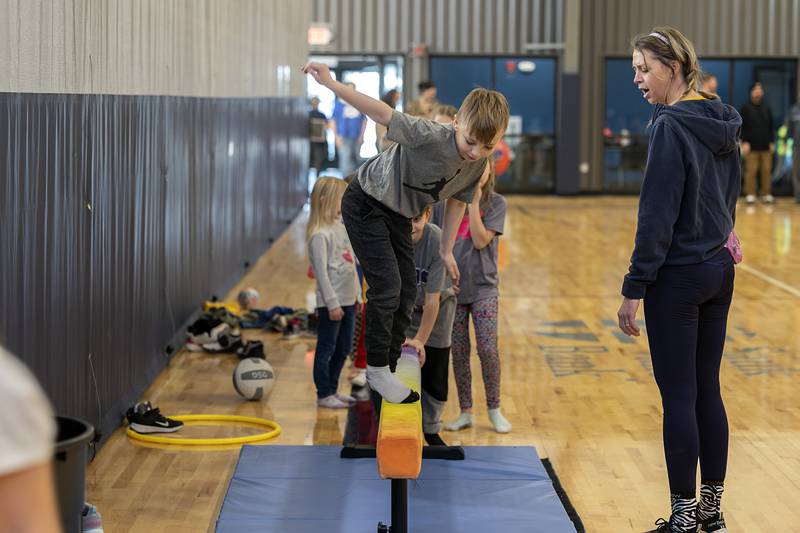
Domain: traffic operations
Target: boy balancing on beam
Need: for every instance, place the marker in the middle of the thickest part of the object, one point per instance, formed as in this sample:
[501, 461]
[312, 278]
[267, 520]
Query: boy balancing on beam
[430, 162]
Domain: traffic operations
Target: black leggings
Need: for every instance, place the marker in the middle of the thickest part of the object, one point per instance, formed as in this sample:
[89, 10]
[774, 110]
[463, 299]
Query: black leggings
[686, 312]
[381, 240]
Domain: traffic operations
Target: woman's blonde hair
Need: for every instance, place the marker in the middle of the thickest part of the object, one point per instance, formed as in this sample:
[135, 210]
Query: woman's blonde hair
[326, 198]
[668, 44]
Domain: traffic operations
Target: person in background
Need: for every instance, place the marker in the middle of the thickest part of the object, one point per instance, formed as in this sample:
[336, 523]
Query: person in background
[334, 269]
[444, 114]
[758, 145]
[710, 83]
[317, 129]
[348, 123]
[381, 142]
[27, 494]
[476, 251]
[432, 322]
[793, 133]
[426, 103]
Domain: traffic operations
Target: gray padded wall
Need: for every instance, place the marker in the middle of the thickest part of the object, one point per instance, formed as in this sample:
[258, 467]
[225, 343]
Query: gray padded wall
[120, 214]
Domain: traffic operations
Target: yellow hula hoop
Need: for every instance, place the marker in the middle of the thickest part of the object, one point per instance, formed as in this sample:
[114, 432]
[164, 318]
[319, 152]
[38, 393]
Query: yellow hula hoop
[275, 430]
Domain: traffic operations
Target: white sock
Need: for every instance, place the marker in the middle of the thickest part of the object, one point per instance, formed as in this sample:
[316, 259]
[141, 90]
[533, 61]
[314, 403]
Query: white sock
[463, 421]
[501, 425]
[382, 381]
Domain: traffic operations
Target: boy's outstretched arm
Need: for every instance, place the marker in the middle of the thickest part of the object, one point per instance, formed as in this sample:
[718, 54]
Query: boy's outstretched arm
[378, 111]
[453, 213]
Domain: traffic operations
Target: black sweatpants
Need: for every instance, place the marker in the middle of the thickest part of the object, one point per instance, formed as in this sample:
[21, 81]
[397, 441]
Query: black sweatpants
[686, 312]
[381, 240]
[434, 387]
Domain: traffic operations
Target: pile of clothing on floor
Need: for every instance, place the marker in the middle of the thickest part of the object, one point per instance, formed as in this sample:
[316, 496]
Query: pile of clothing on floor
[218, 329]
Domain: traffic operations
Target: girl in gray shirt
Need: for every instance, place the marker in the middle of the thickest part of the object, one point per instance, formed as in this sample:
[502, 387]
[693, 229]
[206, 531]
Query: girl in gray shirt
[334, 269]
[476, 254]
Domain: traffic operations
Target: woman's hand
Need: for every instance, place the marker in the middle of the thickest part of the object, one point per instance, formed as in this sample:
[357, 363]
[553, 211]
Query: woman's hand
[627, 317]
[336, 314]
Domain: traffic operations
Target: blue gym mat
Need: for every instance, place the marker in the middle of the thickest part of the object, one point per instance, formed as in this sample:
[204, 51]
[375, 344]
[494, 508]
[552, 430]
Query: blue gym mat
[309, 489]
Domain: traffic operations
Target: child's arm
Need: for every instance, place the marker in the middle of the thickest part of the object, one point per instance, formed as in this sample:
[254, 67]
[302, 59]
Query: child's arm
[430, 310]
[453, 213]
[481, 237]
[318, 254]
[377, 110]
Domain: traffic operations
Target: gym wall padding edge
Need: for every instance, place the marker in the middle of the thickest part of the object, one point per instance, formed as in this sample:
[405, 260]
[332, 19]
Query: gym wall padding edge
[120, 215]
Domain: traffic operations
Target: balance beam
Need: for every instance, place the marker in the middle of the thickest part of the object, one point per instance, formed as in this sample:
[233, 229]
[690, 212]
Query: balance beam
[400, 440]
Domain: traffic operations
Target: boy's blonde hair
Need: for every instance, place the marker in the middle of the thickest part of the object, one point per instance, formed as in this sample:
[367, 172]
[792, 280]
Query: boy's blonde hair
[485, 113]
[674, 47]
[326, 199]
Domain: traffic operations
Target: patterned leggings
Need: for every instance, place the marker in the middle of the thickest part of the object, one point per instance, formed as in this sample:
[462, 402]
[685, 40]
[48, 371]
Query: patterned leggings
[484, 318]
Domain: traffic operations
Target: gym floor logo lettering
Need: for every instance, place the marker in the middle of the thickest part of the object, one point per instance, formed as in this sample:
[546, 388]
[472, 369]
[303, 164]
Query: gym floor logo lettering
[572, 360]
[744, 350]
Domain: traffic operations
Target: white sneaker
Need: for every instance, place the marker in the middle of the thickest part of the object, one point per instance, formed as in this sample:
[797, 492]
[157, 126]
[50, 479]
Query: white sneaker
[360, 379]
[331, 402]
[750, 198]
[501, 425]
[345, 398]
[463, 421]
[768, 199]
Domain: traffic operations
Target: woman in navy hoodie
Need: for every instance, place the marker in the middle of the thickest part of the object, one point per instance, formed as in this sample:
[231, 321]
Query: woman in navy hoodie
[682, 270]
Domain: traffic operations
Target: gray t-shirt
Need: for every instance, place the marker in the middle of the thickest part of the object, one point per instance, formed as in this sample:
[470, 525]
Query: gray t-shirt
[423, 168]
[432, 278]
[478, 268]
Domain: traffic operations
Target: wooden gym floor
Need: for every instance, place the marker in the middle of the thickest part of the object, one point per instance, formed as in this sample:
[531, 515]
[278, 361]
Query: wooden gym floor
[573, 386]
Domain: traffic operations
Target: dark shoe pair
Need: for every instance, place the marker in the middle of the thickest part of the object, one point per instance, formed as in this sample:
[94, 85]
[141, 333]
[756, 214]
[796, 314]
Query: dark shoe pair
[714, 524]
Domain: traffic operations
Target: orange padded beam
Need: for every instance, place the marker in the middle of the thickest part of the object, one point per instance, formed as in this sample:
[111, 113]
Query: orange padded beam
[400, 440]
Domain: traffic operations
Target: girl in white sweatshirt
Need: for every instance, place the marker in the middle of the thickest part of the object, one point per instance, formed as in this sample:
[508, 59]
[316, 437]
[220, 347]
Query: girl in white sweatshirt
[337, 289]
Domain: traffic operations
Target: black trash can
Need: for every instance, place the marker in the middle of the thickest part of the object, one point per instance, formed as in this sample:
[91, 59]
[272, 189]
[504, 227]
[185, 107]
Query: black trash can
[72, 445]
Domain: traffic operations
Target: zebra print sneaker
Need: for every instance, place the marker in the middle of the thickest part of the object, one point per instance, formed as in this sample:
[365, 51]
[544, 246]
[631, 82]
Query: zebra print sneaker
[714, 523]
[665, 526]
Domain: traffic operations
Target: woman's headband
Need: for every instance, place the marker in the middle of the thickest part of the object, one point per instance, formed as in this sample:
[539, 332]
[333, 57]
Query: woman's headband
[660, 37]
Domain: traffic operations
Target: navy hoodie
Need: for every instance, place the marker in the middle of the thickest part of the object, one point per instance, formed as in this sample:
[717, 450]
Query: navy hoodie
[687, 205]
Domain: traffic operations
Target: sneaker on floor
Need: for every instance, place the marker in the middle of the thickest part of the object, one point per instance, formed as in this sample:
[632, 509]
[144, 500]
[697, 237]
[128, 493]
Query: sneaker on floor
[463, 421]
[360, 379]
[91, 522]
[143, 418]
[346, 398]
[715, 523]
[750, 199]
[332, 402]
[664, 526]
[768, 199]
